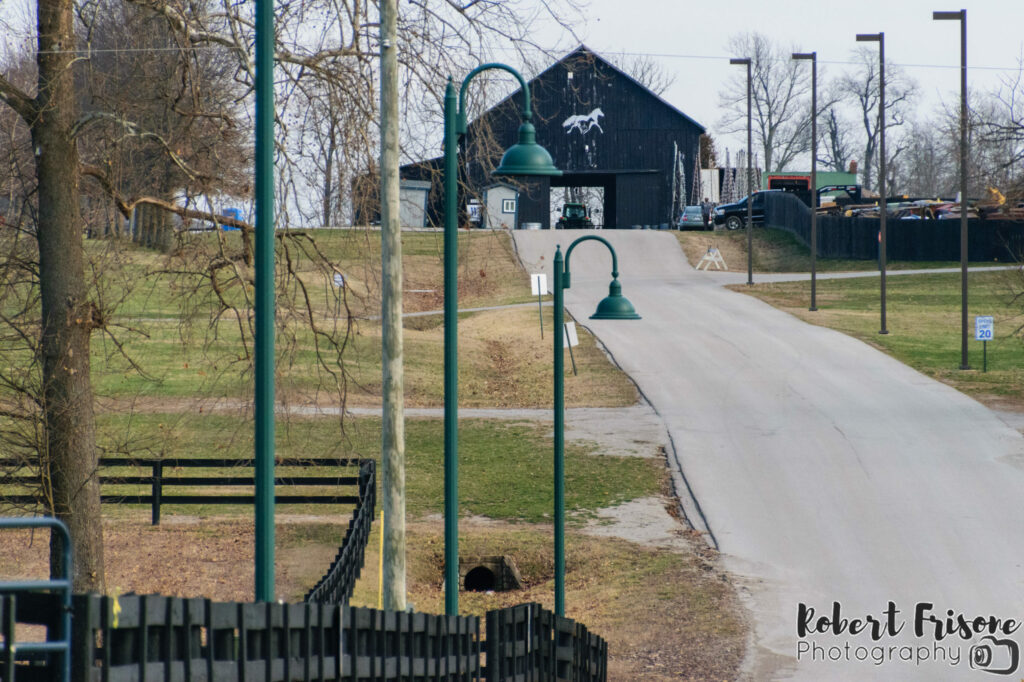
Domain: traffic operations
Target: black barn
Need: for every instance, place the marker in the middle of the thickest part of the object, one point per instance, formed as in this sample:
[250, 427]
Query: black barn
[603, 130]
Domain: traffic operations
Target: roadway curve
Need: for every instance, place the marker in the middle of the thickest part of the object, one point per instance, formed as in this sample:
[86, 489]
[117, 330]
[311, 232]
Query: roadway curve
[825, 470]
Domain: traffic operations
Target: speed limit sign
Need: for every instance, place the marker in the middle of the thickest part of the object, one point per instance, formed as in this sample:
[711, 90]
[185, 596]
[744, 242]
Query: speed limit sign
[983, 328]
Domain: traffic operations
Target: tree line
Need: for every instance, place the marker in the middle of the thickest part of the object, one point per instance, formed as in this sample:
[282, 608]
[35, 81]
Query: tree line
[923, 148]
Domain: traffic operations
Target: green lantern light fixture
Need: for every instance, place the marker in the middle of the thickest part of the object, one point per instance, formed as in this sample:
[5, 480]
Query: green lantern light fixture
[615, 306]
[526, 157]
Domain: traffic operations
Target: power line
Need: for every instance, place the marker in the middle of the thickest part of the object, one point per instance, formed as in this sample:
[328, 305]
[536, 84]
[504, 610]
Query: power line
[838, 62]
[617, 53]
[113, 50]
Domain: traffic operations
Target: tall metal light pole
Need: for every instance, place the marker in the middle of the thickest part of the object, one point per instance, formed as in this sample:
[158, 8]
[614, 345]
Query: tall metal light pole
[880, 39]
[750, 176]
[614, 306]
[961, 16]
[813, 57]
[525, 158]
[263, 351]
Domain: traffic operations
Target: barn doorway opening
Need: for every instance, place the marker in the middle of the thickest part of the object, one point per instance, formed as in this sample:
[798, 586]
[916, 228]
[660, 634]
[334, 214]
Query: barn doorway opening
[596, 191]
[591, 197]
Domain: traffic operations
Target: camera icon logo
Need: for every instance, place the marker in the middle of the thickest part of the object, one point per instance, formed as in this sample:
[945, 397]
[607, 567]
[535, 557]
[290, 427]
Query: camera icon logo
[997, 656]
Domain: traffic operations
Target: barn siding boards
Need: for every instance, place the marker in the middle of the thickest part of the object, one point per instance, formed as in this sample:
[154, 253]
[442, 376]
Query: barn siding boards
[533, 202]
[637, 192]
[602, 128]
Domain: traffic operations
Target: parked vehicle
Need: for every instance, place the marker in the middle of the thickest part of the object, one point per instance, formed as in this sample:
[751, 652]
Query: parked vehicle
[734, 215]
[574, 217]
[691, 219]
[796, 184]
[834, 199]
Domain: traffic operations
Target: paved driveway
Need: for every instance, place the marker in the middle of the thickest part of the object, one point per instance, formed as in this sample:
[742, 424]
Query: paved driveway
[825, 471]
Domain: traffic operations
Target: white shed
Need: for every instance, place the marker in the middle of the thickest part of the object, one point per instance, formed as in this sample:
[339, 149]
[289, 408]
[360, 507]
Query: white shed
[501, 206]
[412, 203]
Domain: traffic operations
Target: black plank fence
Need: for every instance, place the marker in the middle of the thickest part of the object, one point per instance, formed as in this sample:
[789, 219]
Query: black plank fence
[909, 240]
[160, 482]
[337, 584]
[153, 638]
[528, 643]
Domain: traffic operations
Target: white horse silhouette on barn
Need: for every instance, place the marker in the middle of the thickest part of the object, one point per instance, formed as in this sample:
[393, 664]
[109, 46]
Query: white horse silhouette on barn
[583, 123]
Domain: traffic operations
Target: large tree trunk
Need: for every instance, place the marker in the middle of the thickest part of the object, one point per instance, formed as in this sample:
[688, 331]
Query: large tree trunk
[67, 314]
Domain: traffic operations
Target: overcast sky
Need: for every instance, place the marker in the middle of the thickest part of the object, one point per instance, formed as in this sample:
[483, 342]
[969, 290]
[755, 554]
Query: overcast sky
[689, 39]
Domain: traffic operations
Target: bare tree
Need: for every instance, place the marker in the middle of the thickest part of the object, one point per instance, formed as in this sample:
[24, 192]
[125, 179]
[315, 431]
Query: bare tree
[928, 168]
[997, 128]
[648, 72]
[861, 90]
[67, 314]
[187, 141]
[780, 90]
[836, 145]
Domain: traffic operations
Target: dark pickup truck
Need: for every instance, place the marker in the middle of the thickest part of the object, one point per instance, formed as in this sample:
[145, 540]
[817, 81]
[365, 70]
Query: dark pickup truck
[734, 215]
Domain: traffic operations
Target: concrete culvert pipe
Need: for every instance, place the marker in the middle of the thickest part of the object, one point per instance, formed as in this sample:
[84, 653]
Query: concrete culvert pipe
[480, 579]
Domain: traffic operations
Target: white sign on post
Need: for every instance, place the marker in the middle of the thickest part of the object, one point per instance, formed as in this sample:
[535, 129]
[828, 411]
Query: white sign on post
[569, 338]
[539, 284]
[984, 328]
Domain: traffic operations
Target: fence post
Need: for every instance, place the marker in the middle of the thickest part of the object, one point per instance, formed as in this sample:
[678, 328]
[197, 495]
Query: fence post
[157, 489]
[7, 611]
[85, 618]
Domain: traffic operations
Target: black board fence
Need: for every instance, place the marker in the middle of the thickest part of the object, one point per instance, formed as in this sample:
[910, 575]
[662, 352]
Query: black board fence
[337, 584]
[165, 479]
[528, 643]
[154, 638]
[908, 240]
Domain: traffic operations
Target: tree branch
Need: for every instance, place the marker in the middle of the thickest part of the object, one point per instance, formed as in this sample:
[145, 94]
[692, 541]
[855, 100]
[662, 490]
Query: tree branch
[18, 100]
[125, 206]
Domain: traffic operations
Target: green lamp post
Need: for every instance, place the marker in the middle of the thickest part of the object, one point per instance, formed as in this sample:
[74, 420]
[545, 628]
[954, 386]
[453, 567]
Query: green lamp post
[263, 407]
[524, 158]
[614, 306]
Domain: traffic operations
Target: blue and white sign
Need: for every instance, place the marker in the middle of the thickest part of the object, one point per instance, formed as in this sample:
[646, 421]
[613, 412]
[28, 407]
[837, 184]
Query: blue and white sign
[984, 328]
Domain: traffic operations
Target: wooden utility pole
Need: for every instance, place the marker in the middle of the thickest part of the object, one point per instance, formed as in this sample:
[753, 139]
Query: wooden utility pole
[393, 424]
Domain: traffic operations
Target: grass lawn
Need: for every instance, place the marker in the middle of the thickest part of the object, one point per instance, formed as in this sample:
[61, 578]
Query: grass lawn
[151, 286]
[665, 611]
[505, 468]
[180, 352]
[503, 362]
[923, 319]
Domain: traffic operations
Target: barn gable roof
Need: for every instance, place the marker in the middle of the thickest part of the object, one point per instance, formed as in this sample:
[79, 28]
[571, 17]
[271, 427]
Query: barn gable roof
[582, 52]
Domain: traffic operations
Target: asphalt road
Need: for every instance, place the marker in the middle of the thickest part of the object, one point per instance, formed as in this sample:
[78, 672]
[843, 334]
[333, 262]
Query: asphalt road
[825, 471]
